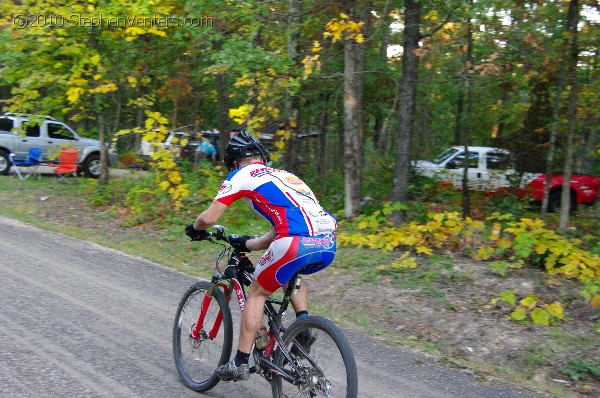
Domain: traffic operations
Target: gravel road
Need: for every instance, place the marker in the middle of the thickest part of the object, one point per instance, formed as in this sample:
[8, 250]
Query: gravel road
[80, 320]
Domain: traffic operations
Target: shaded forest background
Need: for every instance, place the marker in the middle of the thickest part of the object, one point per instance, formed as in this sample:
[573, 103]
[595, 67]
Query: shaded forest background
[381, 82]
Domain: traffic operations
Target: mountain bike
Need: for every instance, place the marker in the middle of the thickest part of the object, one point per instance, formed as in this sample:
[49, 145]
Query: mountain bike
[203, 336]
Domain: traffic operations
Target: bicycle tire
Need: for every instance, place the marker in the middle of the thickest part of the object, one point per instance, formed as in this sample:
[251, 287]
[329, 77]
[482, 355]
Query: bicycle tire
[330, 351]
[197, 362]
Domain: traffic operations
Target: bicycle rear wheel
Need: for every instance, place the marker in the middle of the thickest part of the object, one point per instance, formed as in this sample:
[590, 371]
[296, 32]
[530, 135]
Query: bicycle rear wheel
[327, 364]
[197, 359]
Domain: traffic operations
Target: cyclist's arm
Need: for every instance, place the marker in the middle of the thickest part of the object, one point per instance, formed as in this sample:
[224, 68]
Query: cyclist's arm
[209, 217]
[262, 242]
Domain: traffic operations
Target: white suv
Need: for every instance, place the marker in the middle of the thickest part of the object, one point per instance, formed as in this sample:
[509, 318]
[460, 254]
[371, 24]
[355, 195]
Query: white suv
[20, 132]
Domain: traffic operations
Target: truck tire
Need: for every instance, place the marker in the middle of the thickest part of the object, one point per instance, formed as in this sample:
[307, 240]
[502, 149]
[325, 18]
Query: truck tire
[4, 163]
[554, 202]
[91, 166]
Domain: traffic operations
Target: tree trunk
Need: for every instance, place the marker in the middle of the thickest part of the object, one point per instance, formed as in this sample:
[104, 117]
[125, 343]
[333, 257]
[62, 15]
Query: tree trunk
[104, 171]
[553, 133]
[468, 81]
[139, 122]
[407, 99]
[460, 105]
[222, 112]
[587, 158]
[354, 66]
[573, 18]
[380, 122]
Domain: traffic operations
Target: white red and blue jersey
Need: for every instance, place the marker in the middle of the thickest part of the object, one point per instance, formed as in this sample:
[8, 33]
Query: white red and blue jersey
[279, 196]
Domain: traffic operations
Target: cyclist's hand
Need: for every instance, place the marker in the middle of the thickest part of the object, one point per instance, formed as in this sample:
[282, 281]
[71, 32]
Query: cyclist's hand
[239, 242]
[194, 233]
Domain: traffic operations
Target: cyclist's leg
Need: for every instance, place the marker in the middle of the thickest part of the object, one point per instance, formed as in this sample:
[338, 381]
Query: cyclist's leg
[299, 300]
[252, 316]
[238, 368]
[264, 284]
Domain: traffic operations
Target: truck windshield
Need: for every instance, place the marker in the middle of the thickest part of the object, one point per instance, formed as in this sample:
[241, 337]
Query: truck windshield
[448, 153]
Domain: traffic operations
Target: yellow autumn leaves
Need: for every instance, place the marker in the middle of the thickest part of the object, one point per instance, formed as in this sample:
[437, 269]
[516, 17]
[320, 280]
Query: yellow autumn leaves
[510, 242]
[336, 29]
[168, 175]
[267, 89]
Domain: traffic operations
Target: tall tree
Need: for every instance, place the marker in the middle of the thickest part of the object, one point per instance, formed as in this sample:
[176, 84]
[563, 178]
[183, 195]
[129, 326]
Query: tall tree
[572, 28]
[407, 99]
[554, 129]
[468, 83]
[355, 53]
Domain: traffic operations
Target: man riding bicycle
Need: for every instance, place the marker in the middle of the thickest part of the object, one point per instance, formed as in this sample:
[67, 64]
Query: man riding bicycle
[301, 236]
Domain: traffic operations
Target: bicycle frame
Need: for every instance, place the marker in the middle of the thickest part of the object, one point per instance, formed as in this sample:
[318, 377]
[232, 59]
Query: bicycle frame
[274, 320]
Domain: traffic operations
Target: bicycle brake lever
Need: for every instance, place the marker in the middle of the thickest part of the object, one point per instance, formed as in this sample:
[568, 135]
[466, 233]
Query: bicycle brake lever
[220, 229]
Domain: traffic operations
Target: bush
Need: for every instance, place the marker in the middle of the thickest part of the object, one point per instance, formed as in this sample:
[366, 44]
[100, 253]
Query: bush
[501, 238]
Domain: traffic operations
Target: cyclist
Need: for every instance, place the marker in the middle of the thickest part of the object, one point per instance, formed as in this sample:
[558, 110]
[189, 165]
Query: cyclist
[301, 237]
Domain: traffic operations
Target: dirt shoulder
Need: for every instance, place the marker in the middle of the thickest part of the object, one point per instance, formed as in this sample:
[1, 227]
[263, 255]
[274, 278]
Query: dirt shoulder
[442, 307]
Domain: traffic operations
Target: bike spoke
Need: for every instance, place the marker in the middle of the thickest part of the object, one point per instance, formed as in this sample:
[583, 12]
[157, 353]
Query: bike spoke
[198, 359]
[325, 366]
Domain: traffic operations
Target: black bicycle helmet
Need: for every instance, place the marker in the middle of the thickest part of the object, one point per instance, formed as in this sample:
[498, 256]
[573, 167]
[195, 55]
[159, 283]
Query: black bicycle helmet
[243, 145]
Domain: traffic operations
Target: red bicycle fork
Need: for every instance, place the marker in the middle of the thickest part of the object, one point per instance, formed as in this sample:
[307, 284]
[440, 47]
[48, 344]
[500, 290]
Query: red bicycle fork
[207, 300]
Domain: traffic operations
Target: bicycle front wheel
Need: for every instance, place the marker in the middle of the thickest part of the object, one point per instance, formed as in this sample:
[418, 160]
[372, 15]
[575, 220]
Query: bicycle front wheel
[325, 361]
[197, 360]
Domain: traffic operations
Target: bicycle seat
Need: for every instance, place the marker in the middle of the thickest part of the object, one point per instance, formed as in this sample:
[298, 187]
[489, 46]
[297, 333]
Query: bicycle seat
[313, 265]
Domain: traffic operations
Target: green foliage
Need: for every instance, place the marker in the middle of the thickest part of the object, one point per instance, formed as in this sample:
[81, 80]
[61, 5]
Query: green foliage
[531, 308]
[590, 290]
[508, 297]
[579, 369]
[501, 267]
[505, 203]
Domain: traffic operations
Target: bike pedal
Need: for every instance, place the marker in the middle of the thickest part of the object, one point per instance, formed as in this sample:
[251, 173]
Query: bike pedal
[253, 369]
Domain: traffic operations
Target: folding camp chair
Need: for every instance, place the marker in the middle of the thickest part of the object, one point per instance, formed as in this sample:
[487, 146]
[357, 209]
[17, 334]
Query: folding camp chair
[67, 164]
[32, 162]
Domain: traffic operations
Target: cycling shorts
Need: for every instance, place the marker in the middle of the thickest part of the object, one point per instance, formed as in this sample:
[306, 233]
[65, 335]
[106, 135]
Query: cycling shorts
[289, 254]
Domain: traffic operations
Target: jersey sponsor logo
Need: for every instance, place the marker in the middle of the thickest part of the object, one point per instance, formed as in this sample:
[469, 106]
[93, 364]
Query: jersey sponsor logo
[305, 192]
[266, 258]
[260, 172]
[294, 180]
[325, 242]
[226, 187]
[318, 214]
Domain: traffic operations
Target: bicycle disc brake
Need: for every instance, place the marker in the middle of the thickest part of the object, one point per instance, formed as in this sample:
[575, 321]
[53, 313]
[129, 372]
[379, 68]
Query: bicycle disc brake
[195, 343]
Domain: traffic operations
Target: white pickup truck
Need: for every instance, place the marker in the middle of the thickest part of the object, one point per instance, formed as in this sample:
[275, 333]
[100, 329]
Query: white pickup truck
[20, 132]
[491, 169]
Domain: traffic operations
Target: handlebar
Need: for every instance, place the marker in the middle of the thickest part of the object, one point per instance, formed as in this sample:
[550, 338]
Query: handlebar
[240, 261]
[219, 234]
